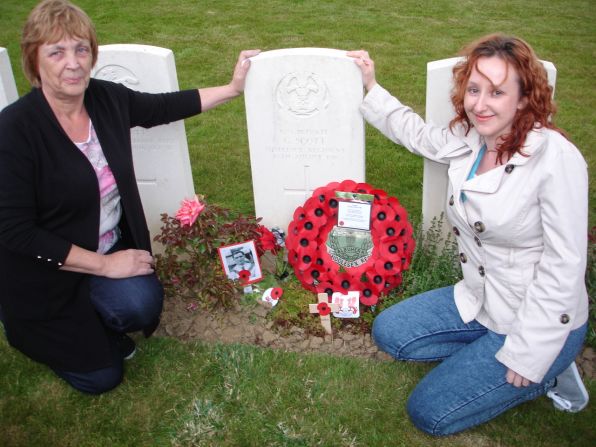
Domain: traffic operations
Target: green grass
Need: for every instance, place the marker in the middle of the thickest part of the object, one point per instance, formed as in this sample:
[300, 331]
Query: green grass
[179, 393]
[192, 394]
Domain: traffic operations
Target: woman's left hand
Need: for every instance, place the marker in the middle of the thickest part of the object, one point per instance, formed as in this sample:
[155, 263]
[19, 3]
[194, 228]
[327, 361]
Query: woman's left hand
[516, 380]
[367, 65]
[240, 70]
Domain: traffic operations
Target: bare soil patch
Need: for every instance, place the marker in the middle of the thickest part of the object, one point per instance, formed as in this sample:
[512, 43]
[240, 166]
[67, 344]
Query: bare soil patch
[249, 325]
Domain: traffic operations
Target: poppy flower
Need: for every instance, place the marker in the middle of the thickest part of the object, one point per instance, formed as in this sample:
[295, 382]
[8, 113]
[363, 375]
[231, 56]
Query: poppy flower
[391, 248]
[387, 227]
[189, 210]
[347, 186]
[324, 309]
[306, 258]
[375, 280]
[392, 281]
[299, 214]
[244, 276]
[325, 287]
[362, 188]
[315, 273]
[369, 296]
[382, 212]
[344, 282]
[387, 267]
[401, 215]
[266, 241]
[317, 215]
[379, 194]
[276, 293]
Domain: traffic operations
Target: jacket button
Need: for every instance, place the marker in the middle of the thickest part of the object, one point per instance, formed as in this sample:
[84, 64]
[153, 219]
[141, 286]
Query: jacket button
[451, 200]
[479, 226]
[463, 258]
[481, 270]
[478, 241]
[456, 231]
[509, 168]
[564, 319]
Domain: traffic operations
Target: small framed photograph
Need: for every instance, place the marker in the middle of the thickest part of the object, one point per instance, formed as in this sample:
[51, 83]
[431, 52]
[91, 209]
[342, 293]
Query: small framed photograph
[241, 262]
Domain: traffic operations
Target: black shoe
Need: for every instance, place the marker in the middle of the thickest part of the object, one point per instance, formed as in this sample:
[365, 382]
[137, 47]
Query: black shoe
[126, 346]
[149, 330]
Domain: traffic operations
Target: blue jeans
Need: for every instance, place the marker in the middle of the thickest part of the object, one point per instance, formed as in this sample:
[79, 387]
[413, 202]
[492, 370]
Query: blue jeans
[124, 305]
[468, 387]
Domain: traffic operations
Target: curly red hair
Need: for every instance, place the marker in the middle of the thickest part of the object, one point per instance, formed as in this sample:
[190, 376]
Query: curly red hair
[533, 84]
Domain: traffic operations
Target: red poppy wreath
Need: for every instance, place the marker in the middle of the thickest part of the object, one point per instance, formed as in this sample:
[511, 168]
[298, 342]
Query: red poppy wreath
[370, 266]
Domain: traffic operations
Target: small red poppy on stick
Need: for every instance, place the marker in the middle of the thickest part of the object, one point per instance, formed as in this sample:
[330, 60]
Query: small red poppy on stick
[244, 276]
[276, 293]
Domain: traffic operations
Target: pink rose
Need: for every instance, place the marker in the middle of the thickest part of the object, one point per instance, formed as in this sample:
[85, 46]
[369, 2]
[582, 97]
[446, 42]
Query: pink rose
[189, 211]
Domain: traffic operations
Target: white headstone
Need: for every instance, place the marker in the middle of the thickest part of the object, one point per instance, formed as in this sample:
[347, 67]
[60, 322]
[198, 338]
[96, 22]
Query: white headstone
[160, 154]
[439, 111]
[304, 127]
[8, 88]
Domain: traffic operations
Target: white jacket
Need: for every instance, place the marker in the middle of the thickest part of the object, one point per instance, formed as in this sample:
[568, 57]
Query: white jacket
[521, 233]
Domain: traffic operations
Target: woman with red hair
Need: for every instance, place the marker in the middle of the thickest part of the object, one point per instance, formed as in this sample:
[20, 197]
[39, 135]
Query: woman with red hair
[517, 200]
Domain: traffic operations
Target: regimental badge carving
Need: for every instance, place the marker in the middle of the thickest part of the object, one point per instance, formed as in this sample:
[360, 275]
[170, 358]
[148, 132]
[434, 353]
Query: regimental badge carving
[303, 94]
[117, 73]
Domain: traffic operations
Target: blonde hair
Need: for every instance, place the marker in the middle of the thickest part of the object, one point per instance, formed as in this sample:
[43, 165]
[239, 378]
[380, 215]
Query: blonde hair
[49, 22]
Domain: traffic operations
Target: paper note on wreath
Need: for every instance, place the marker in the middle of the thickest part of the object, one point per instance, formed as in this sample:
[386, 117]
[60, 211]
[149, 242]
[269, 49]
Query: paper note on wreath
[348, 304]
[354, 210]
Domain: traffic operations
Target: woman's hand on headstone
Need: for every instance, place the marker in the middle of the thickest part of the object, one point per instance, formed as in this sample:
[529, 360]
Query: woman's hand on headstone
[241, 69]
[367, 66]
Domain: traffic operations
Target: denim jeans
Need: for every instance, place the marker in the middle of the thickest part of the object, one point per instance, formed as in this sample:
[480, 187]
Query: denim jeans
[468, 387]
[125, 305]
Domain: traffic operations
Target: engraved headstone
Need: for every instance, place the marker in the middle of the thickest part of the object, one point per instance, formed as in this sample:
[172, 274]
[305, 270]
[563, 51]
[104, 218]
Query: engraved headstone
[304, 127]
[439, 111]
[8, 88]
[160, 154]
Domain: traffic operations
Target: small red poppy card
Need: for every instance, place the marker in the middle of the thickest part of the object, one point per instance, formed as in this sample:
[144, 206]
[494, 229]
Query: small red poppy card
[348, 304]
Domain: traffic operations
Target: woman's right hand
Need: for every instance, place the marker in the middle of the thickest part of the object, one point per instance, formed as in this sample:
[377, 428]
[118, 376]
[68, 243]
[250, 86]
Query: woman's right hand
[367, 66]
[120, 264]
[127, 263]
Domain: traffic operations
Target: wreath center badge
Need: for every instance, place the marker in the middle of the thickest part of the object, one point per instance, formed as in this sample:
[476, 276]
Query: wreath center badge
[350, 237]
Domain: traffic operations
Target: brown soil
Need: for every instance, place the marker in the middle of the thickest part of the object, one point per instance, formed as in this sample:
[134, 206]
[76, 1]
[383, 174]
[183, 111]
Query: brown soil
[251, 326]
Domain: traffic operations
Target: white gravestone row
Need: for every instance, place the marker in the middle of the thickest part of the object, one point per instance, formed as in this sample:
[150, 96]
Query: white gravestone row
[8, 88]
[160, 154]
[304, 127]
[439, 111]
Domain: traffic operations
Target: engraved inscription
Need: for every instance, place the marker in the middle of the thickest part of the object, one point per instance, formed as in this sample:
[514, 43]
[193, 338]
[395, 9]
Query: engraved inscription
[303, 94]
[117, 73]
[304, 145]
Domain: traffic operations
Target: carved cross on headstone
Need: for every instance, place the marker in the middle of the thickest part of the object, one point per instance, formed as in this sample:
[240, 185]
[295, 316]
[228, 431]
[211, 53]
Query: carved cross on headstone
[324, 309]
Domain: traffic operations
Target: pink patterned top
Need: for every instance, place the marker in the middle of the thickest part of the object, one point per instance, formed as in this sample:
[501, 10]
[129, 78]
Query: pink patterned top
[110, 208]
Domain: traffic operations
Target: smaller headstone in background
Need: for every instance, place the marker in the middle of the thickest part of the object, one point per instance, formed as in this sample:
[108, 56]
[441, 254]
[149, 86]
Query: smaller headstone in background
[439, 111]
[8, 88]
[160, 154]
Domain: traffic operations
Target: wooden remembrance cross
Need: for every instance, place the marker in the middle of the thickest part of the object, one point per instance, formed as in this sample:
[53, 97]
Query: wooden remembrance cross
[324, 308]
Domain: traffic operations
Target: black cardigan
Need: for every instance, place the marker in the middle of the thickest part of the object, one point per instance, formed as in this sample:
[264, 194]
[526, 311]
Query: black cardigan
[49, 200]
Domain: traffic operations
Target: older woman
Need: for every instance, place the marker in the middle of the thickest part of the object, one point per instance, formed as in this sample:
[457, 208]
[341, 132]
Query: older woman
[517, 200]
[75, 260]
